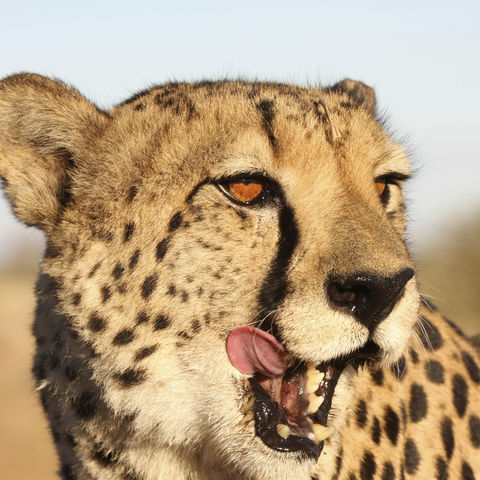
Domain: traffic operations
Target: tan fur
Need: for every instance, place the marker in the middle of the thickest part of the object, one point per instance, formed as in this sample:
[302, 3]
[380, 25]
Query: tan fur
[149, 267]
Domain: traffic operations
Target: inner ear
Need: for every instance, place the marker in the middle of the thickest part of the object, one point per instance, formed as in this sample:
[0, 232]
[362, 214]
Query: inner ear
[46, 128]
[359, 92]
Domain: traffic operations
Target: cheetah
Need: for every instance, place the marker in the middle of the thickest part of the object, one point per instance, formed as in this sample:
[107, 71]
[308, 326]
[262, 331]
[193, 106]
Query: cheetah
[226, 291]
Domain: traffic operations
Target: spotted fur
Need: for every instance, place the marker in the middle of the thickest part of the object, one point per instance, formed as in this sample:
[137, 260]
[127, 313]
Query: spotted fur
[149, 266]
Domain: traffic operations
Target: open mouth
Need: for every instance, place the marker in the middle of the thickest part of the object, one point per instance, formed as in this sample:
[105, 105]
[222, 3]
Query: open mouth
[292, 399]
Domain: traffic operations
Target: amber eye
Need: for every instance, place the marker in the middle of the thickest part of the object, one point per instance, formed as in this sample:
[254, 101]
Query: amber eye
[380, 185]
[245, 190]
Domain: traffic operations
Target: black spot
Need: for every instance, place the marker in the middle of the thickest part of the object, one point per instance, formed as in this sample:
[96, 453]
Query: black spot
[412, 457]
[172, 290]
[184, 296]
[104, 458]
[175, 222]
[162, 248]
[275, 285]
[106, 294]
[94, 270]
[70, 440]
[122, 288]
[403, 413]
[123, 337]
[399, 369]
[447, 436]
[132, 193]
[145, 352]
[161, 322]
[67, 472]
[376, 431]
[241, 214]
[128, 233]
[118, 271]
[414, 355]
[392, 424]
[184, 334]
[467, 472]
[460, 394]
[388, 472]
[368, 467]
[338, 463]
[361, 413]
[71, 373]
[52, 251]
[54, 362]
[434, 371]
[474, 424]
[76, 299]
[131, 377]
[39, 367]
[471, 367]
[96, 323]
[196, 327]
[85, 405]
[149, 284]
[377, 376]
[134, 260]
[441, 469]
[418, 403]
[142, 317]
[430, 336]
[266, 109]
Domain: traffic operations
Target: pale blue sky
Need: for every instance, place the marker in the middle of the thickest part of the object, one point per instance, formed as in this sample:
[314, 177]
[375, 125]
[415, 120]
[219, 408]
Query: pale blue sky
[423, 58]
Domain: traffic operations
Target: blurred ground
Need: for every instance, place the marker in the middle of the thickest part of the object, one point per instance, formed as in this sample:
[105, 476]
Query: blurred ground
[449, 276]
[26, 450]
[449, 273]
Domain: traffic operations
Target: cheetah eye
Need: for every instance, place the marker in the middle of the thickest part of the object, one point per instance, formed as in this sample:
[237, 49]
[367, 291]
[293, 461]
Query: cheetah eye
[247, 190]
[383, 184]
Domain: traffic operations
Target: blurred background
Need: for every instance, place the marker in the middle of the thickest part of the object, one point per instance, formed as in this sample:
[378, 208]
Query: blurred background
[421, 57]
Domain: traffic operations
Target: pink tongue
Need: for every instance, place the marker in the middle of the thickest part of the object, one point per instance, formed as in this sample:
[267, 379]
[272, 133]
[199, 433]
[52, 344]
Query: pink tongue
[254, 351]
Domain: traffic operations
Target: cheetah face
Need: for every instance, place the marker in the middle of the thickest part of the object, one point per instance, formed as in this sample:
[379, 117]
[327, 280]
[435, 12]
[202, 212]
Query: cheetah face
[230, 253]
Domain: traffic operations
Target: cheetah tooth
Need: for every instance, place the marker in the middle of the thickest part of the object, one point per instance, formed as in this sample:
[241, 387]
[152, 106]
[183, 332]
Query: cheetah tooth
[283, 430]
[314, 377]
[314, 402]
[321, 432]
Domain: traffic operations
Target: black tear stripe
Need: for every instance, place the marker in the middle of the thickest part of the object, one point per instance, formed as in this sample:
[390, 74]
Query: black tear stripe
[275, 286]
[265, 107]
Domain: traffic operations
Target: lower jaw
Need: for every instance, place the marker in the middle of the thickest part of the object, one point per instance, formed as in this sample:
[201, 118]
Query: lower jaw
[267, 416]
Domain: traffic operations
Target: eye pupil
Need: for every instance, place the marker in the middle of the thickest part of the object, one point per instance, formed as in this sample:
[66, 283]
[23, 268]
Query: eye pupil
[245, 190]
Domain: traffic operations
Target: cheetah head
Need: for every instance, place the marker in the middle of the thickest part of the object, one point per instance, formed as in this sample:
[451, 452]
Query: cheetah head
[221, 258]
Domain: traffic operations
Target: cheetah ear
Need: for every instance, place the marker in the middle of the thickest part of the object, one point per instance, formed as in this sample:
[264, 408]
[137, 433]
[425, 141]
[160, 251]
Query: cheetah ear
[44, 128]
[361, 94]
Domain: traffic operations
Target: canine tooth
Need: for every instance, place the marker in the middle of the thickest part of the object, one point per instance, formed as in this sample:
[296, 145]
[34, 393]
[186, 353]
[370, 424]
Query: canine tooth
[321, 432]
[283, 430]
[314, 402]
[314, 377]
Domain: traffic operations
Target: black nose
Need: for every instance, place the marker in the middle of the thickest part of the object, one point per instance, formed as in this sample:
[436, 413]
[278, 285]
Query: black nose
[369, 298]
